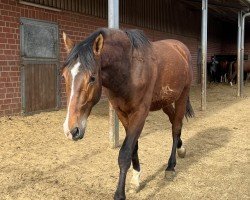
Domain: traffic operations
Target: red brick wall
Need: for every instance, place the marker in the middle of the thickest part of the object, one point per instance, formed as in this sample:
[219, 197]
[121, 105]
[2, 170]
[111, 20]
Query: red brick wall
[230, 47]
[77, 26]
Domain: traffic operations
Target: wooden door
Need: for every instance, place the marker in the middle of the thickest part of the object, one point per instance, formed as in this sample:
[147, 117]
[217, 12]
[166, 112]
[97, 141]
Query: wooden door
[39, 66]
[40, 87]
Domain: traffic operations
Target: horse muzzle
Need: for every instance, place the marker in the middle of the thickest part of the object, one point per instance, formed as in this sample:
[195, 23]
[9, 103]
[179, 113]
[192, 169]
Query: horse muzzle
[77, 133]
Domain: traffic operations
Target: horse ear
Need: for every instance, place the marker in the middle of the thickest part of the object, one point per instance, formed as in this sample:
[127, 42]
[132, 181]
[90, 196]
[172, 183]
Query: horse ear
[67, 42]
[98, 45]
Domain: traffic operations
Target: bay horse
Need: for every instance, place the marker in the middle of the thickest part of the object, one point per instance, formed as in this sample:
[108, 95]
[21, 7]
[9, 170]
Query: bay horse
[235, 71]
[138, 76]
[223, 70]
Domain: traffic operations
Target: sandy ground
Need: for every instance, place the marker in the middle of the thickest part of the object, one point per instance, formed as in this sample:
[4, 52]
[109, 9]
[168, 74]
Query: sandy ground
[38, 162]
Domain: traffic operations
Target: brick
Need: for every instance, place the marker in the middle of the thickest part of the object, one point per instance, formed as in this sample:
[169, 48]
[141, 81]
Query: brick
[3, 40]
[8, 84]
[5, 69]
[10, 90]
[2, 96]
[7, 30]
[4, 107]
[7, 51]
[4, 74]
[10, 36]
[9, 96]
[8, 112]
[2, 46]
[16, 100]
[2, 23]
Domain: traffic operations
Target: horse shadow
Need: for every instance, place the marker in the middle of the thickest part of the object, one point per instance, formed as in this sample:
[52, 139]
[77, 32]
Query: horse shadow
[199, 147]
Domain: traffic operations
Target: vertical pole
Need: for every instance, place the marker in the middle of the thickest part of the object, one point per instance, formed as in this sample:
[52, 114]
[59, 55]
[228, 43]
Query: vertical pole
[113, 22]
[239, 49]
[204, 54]
[241, 67]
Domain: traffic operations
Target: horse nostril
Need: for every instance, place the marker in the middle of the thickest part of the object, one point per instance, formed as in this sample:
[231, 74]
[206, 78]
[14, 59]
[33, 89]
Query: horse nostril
[76, 133]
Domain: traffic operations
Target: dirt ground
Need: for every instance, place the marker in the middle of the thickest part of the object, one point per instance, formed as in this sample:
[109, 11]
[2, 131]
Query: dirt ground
[38, 162]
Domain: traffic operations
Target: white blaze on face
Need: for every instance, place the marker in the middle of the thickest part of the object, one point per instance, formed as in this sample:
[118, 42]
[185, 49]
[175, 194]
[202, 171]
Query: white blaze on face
[74, 71]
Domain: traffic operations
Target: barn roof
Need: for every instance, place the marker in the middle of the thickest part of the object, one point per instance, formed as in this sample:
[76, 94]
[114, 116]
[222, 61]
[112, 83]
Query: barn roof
[226, 10]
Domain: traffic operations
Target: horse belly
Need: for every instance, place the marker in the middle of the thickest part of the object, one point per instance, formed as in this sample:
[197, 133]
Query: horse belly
[167, 91]
[162, 101]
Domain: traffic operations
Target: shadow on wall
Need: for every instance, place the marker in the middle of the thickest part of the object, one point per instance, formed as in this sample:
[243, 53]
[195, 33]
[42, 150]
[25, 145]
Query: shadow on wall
[198, 147]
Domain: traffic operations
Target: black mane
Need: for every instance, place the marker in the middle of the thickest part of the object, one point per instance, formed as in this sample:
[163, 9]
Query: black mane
[137, 38]
[84, 52]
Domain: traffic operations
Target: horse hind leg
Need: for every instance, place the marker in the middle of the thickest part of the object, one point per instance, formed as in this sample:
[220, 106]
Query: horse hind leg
[169, 110]
[176, 119]
[176, 145]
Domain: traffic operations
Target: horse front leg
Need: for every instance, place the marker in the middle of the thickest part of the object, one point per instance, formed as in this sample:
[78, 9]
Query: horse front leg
[232, 78]
[128, 152]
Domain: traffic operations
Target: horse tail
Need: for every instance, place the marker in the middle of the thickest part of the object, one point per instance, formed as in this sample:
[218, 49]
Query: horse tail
[189, 110]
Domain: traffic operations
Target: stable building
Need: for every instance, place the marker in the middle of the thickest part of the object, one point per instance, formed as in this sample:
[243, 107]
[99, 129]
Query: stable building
[32, 51]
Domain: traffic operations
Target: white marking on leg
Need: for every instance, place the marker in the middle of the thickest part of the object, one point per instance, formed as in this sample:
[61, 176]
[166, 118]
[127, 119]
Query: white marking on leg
[136, 178]
[231, 83]
[181, 152]
[74, 71]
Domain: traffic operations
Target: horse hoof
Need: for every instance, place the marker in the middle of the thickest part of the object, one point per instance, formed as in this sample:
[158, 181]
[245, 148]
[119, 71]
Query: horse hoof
[181, 152]
[169, 175]
[134, 188]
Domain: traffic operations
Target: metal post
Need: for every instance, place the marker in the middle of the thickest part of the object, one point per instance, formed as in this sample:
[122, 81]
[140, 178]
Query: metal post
[239, 90]
[204, 54]
[241, 67]
[113, 22]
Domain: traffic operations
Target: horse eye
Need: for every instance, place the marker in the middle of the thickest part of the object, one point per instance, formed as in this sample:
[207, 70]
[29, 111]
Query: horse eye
[92, 79]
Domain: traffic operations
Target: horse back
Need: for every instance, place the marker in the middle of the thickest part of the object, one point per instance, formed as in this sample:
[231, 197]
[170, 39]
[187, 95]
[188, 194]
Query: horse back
[246, 65]
[173, 57]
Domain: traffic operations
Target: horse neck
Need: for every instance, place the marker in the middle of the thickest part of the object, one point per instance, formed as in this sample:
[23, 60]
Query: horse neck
[115, 70]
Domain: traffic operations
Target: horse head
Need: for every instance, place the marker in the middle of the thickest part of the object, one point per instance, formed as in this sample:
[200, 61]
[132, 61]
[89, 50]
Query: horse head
[83, 82]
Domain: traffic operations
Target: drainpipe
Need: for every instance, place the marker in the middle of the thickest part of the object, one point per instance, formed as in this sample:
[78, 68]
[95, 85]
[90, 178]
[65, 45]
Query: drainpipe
[204, 54]
[241, 68]
[113, 22]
